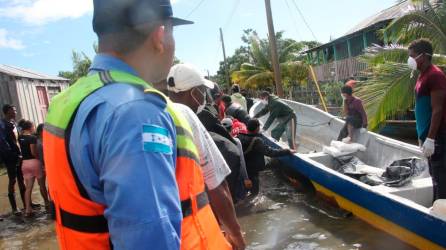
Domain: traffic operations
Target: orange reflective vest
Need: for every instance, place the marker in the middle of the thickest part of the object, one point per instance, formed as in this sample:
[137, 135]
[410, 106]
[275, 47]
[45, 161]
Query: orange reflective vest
[80, 222]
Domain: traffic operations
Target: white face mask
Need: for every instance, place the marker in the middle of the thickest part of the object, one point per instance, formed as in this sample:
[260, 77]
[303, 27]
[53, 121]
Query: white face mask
[203, 104]
[343, 97]
[264, 101]
[412, 63]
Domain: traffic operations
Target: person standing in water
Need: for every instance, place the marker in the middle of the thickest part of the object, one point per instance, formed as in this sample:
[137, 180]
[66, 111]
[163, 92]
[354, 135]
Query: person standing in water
[31, 166]
[11, 156]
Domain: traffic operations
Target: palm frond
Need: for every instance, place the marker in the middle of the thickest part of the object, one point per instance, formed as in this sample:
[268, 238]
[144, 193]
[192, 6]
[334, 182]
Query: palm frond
[259, 55]
[284, 53]
[260, 80]
[296, 72]
[428, 22]
[388, 93]
[376, 54]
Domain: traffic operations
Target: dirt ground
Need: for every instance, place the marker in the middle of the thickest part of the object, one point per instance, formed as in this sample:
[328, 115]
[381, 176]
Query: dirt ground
[16, 232]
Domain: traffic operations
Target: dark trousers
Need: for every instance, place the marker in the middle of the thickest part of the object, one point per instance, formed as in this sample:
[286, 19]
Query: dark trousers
[286, 124]
[255, 183]
[437, 167]
[14, 170]
[355, 121]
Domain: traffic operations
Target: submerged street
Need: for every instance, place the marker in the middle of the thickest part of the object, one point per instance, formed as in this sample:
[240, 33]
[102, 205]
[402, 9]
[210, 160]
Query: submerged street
[279, 218]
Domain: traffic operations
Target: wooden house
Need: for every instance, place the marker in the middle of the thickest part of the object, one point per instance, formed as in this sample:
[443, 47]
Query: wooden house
[337, 60]
[29, 91]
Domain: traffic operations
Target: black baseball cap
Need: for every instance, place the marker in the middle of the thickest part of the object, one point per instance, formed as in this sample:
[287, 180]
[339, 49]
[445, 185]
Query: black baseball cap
[116, 15]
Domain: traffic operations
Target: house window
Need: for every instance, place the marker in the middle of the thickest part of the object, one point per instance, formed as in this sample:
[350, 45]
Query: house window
[53, 91]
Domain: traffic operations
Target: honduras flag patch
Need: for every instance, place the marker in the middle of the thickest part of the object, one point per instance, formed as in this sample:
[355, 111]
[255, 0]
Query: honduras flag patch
[156, 139]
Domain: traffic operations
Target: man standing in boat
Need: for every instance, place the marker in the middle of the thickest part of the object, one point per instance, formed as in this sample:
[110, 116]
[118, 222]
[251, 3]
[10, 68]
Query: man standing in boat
[430, 112]
[284, 114]
[356, 118]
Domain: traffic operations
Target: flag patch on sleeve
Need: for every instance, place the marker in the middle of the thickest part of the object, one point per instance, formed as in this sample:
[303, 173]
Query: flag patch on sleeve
[156, 139]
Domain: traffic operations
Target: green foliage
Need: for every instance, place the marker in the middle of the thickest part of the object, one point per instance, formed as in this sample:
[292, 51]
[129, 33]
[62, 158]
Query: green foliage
[257, 71]
[427, 21]
[389, 90]
[251, 66]
[333, 93]
[81, 64]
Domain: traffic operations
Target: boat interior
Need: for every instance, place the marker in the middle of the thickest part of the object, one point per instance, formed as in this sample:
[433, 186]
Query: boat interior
[316, 129]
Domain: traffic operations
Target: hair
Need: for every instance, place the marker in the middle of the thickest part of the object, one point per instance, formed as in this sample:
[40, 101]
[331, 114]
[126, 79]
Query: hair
[244, 93]
[226, 99]
[39, 130]
[253, 124]
[26, 124]
[235, 88]
[264, 94]
[215, 92]
[7, 108]
[422, 46]
[349, 79]
[347, 90]
[127, 40]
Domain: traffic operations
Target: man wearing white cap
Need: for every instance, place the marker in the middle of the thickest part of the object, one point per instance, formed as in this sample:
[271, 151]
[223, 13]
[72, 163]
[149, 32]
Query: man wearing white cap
[188, 88]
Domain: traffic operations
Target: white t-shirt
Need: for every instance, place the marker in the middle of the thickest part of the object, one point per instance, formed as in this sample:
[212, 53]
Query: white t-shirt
[212, 163]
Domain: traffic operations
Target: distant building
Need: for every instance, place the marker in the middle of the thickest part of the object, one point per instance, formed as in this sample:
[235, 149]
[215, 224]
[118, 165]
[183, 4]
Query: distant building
[29, 91]
[337, 59]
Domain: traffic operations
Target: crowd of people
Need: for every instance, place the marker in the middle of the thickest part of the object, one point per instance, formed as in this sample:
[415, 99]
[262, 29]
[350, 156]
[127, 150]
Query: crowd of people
[131, 165]
[21, 151]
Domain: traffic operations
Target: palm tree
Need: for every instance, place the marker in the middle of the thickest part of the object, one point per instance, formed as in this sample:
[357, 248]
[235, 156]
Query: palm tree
[428, 20]
[389, 90]
[258, 73]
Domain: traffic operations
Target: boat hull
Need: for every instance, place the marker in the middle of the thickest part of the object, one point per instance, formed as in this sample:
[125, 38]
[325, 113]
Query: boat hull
[406, 221]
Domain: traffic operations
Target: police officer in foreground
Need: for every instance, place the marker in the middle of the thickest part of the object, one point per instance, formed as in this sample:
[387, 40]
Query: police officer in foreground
[117, 173]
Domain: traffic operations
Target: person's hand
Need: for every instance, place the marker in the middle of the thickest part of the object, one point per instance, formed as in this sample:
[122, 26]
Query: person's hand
[347, 139]
[247, 183]
[363, 130]
[293, 151]
[237, 241]
[428, 147]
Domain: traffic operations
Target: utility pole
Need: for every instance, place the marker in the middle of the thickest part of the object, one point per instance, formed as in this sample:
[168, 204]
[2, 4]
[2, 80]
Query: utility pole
[273, 47]
[228, 80]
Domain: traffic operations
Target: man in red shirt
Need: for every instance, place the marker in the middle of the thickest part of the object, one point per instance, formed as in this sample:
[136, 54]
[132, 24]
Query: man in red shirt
[430, 112]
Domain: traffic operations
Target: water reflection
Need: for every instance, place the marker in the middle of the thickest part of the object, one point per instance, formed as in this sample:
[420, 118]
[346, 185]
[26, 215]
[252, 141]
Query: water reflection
[283, 218]
[280, 217]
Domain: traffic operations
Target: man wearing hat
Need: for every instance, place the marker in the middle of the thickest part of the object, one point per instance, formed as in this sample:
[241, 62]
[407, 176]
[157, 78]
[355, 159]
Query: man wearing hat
[111, 150]
[188, 88]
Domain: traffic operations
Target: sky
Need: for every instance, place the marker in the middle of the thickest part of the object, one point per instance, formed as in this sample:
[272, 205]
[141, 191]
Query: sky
[41, 34]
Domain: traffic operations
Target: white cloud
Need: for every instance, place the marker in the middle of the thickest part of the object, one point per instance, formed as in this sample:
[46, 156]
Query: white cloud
[8, 42]
[38, 12]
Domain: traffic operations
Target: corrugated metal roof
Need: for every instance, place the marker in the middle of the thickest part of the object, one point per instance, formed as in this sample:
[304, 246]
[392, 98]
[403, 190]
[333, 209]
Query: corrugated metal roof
[398, 10]
[25, 73]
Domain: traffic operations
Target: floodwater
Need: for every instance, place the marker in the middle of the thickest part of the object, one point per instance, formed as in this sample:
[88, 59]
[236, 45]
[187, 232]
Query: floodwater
[280, 217]
[17, 233]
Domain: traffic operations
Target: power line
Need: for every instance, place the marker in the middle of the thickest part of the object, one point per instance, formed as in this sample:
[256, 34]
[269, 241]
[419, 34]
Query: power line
[303, 18]
[195, 8]
[231, 14]
[294, 19]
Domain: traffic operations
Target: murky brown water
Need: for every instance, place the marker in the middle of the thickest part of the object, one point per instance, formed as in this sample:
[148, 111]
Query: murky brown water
[17, 233]
[279, 218]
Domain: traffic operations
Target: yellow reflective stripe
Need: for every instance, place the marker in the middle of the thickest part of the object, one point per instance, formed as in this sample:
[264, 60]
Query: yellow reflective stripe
[184, 142]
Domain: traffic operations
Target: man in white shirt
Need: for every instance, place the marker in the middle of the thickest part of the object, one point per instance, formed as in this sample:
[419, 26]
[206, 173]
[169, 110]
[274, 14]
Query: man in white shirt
[188, 89]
